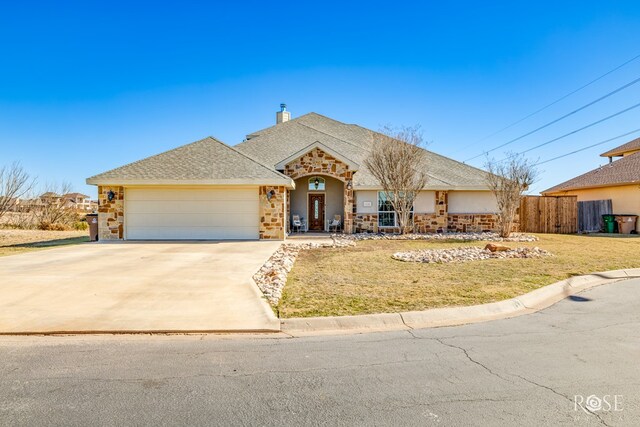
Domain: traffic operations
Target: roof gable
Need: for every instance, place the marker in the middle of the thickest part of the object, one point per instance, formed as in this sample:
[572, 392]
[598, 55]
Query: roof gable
[320, 146]
[280, 143]
[207, 161]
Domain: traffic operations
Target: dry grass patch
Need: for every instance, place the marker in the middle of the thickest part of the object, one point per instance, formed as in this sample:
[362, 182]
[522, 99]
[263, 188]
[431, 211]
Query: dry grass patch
[365, 279]
[18, 241]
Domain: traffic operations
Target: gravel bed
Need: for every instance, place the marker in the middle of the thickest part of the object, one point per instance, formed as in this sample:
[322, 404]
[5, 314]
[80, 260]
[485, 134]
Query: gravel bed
[489, 237]
[464, 254]
[272, 276]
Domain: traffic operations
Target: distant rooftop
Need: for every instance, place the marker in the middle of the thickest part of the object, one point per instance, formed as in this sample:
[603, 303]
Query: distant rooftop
[624, 171]
[629, 147]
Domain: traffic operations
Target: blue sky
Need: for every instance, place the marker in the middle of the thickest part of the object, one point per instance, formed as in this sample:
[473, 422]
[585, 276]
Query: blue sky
[88, 86]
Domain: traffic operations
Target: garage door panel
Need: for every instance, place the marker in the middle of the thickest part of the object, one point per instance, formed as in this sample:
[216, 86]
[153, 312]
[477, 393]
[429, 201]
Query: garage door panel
[192, 206]
[191, 214]
[191, 220]
[191, 233]
[191, 194]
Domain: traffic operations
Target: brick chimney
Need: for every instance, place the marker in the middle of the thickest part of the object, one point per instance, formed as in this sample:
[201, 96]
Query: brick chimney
[283, 115]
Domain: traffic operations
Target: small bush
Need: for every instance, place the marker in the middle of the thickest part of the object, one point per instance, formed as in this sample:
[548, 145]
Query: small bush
[81, 225]
[55, 226]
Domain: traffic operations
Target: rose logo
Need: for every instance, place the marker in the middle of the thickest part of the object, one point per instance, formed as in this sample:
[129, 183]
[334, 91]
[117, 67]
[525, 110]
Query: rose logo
[594, 403]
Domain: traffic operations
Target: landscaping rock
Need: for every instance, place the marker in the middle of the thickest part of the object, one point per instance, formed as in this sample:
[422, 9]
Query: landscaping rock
[488, 237]
[464, 254]
[496, 248]
[272, 276]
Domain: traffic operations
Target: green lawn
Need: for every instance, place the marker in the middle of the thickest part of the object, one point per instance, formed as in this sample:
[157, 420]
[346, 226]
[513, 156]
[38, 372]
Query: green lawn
[365, 279]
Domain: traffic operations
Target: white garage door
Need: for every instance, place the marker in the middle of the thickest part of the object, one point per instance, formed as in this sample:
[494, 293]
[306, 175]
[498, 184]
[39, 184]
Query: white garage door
[191, 214]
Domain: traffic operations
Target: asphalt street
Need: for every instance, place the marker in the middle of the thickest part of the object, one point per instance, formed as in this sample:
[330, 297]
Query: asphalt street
[575, 363]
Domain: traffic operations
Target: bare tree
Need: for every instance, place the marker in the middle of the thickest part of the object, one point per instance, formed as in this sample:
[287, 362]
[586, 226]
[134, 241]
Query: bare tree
[52, 211]
[508, 180]
[14, 184]
[398, 161]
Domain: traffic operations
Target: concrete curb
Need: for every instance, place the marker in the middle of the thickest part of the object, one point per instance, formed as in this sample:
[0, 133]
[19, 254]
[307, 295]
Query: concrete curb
[438, 317]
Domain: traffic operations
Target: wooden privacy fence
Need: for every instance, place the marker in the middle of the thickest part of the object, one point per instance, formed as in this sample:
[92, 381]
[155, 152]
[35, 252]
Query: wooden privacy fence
[590, 214]
[549, 214]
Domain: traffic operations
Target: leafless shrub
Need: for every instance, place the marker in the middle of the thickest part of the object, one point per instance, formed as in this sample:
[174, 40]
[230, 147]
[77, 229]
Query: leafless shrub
[51, 211]
[22, 217]
[508, 180]
[398, 162]
[15, 182]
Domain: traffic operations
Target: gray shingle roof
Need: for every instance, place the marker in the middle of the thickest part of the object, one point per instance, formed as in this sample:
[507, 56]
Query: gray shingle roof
[210, 161]
[624, 148]
[623, 171]
[276, 143]
[204, 161]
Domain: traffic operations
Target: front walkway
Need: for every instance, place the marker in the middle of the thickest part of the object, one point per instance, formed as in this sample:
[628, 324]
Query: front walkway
[127, 287]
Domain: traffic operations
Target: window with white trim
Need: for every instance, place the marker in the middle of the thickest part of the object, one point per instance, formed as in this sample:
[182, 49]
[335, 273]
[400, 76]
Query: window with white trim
[387, 216]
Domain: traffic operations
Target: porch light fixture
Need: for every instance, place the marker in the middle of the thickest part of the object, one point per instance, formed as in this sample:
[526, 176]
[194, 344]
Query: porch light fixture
[316, 183]
[349, 185]
[111, 195]
[270, 194]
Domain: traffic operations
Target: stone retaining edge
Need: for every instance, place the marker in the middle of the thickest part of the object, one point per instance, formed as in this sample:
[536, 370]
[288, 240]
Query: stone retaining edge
[451, 316]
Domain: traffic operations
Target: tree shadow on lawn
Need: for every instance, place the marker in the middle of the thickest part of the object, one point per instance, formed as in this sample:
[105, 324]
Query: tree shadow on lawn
[49, 243]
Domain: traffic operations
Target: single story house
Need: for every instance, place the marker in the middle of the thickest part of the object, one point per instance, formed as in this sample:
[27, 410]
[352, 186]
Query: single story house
[619, 181]
[311, 166]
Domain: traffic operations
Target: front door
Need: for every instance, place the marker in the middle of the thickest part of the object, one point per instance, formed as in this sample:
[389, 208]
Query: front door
[316, 212]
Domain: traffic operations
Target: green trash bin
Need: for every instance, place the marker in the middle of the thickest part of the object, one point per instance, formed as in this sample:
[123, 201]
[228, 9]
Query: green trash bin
[609, 223]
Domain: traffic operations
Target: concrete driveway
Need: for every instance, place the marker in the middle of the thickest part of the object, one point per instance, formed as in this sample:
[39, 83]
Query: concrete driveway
[111, 287]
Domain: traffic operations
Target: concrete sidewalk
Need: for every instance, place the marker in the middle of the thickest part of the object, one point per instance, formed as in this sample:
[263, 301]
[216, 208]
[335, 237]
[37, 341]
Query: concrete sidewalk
[136, 287]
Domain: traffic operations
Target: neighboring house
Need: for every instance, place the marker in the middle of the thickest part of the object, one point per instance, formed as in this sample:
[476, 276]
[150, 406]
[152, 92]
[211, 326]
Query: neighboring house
[311, 166]
[49, 198]
[619, 181]
[77, 201]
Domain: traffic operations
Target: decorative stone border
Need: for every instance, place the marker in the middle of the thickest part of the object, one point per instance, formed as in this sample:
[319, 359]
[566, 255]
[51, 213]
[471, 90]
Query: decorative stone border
[464, 254]
[272, 276]
[486, 236]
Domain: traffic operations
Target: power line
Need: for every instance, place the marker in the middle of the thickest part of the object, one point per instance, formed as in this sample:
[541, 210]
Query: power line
[631, 83]
[553, 103]
[573, 132]
[588, 147]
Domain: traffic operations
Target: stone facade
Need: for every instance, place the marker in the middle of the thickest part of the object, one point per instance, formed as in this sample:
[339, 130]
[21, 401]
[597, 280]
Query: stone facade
[366, 223]
[273, 221]
[472, 222]
[426, 223]
[442, 210]
[438, 222]
[318, 162]
[110, 213]
[348, 208]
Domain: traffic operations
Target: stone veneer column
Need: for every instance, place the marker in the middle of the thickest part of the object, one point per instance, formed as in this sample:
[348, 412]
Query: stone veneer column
[442, 210]
[110, 213]
[348, 204]
[273, 213]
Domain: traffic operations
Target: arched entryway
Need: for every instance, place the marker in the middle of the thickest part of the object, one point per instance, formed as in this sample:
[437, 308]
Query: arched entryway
[317, 199]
